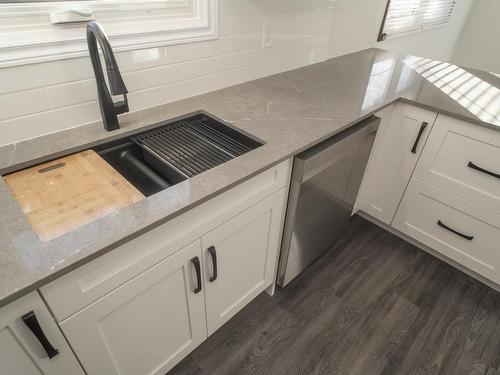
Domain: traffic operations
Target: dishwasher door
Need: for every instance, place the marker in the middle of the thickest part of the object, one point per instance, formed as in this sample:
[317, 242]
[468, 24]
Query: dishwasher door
[325, 182]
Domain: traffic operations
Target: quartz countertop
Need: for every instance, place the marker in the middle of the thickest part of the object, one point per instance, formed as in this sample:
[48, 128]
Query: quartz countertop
[291, 112]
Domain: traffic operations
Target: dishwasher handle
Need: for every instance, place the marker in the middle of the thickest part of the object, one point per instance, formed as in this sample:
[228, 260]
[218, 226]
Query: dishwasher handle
[325, 154]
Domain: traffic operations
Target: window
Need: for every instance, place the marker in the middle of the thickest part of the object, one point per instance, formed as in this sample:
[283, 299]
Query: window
[403, 16]
[27, 34]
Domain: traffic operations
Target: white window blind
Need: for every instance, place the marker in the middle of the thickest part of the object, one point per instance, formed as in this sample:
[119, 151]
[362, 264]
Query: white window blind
[403, 16]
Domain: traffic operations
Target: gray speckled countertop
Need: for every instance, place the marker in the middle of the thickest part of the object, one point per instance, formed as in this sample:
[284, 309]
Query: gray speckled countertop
[290, 111]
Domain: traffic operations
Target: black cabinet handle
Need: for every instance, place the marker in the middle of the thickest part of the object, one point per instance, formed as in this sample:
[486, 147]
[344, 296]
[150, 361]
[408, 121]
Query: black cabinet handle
[213, 254]
[417, 141]
[442, 225]
[32, 323]
[196, 264]
[477, 168]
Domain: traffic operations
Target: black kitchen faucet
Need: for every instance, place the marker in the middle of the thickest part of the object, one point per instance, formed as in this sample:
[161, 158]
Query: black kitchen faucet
[109, 109]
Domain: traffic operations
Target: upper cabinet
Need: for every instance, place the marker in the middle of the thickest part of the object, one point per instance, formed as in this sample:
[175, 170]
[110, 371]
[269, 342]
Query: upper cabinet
[463, 159]
[401, 137]
[30, 341]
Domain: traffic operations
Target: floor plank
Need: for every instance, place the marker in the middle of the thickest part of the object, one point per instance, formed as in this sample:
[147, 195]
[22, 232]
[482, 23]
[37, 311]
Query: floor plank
[371, 305]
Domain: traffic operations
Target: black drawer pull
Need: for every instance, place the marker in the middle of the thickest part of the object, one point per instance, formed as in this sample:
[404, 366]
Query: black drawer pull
[196, 264]
[213, 254]
[417, 141]
[477, 168]
[442, 225]
[32, 323]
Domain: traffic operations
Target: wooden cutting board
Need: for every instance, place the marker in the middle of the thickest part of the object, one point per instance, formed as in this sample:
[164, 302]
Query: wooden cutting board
[65, 194]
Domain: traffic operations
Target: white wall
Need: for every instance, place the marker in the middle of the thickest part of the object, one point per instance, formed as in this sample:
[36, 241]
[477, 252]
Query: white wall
[356, 26]
[479, 43]
[48, 97]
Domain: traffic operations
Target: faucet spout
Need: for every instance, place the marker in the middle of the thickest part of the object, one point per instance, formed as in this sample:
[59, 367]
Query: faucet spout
[109, 109]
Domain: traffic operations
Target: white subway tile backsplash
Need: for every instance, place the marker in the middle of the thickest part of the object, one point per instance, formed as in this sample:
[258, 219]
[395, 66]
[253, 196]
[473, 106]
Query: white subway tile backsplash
[220, 63]
[24, 77]
[232, 25]
[149, 98]
[47, 122]
[241, 42]
[321, 42]
[72, 93]
[48, 97]
[320, 55]
[23, 103]
[255, 22]
[280, 51]
[192, 51]
[301, 17]
[286, 34]
[289, 63]
[238, 7]
[140, 59]
[162, 75]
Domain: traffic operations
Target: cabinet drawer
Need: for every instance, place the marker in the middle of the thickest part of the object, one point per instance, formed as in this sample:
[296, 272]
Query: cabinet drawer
[467, 233]
[463, 159]
[77, 289]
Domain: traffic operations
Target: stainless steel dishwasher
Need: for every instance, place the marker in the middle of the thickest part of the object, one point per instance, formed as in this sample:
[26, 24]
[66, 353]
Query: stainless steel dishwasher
[325, 182]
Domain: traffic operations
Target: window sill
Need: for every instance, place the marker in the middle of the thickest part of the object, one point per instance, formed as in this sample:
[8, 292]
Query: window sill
[410, 32]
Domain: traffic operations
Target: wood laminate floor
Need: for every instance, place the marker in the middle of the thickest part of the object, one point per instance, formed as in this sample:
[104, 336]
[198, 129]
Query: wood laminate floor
[373, 304]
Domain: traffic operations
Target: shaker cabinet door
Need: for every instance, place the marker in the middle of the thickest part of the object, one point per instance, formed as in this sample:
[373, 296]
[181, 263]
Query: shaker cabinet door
[148, 324]
[399, 143]
[240, 259]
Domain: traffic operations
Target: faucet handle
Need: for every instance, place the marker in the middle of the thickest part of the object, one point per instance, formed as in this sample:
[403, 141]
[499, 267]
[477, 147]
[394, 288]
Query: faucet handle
[122, 105]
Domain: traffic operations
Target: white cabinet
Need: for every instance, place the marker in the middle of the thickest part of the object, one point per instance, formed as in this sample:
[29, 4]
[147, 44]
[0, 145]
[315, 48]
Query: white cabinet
[22, 352]
[463, 159]
[77, 289]
[151, 322]
[462, 231]
[146, 325]
[452, 204]
[400, 139]
[136, 320]
[240, 259]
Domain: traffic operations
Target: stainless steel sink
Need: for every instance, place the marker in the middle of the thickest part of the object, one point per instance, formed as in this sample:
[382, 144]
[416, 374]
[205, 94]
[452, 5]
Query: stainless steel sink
[172, 152]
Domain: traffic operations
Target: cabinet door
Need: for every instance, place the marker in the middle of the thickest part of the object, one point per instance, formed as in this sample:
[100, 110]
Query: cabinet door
[398, 145]
[21, 352]
[146, 325]
[244, 251]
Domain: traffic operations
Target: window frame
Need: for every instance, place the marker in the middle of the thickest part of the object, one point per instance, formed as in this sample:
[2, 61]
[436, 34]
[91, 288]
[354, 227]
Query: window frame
[382, 36]
[196, 21]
